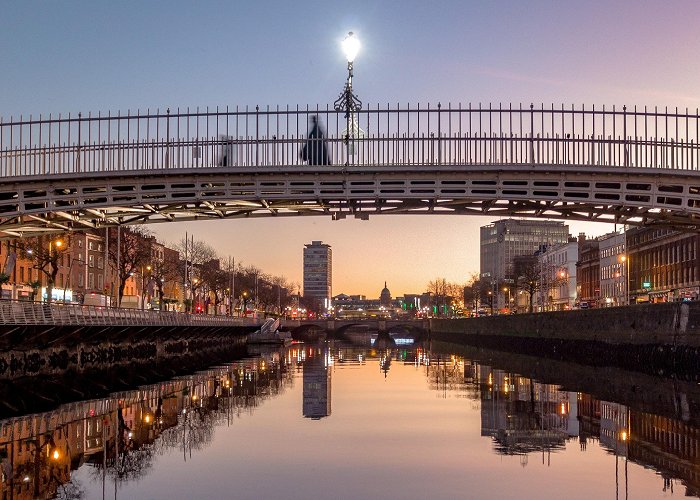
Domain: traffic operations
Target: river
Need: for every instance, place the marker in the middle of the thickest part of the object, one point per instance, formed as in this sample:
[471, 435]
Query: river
[321, 421]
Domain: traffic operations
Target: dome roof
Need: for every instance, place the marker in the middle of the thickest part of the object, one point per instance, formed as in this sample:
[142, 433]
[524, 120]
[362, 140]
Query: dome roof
[385, 296]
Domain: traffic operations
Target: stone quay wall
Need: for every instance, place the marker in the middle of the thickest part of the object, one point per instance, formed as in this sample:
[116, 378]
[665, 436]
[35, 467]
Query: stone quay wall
[666, 324]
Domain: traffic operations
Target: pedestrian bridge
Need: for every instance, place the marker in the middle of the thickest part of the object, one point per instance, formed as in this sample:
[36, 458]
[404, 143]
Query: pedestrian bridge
[619, 164]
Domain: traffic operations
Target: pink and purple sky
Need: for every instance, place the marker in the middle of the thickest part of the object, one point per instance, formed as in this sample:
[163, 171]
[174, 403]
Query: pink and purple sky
[89, 56]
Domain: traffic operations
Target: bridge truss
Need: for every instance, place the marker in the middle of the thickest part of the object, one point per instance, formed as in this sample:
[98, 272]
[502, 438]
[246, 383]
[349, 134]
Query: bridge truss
[70, 173]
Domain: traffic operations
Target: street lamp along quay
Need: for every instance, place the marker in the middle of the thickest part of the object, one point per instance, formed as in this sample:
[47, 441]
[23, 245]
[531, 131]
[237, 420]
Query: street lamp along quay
[625, 262]
[143, 285]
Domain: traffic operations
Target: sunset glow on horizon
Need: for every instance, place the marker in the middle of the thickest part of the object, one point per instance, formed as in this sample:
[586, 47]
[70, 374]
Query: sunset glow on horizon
[61, 58]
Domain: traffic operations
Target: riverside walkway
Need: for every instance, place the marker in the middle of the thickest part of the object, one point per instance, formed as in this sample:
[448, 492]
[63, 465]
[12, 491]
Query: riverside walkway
[40, 313]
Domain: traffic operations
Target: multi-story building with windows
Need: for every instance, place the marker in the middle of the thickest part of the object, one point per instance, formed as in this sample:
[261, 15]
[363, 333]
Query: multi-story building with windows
[613, 269]
[663, 265]
[88, 269]
[318, 272]
[506, 239]
[557, 284]
[588, 272]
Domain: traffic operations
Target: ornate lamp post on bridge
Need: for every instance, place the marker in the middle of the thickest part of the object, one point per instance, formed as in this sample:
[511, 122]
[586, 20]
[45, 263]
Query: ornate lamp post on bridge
[348, 101]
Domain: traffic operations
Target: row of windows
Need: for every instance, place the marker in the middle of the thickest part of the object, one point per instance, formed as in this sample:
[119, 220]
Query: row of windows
[670, 277]
[611, 251]
[91, 280]
[612, 289]
[672, 255]
[612, 271]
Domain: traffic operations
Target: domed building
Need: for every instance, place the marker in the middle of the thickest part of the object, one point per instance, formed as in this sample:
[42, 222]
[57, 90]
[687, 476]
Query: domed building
[385, 297]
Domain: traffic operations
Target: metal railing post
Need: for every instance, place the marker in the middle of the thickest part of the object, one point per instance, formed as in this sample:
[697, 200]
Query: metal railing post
[532, 134]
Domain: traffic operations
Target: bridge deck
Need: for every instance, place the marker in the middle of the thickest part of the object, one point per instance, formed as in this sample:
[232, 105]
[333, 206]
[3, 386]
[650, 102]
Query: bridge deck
[633, 166]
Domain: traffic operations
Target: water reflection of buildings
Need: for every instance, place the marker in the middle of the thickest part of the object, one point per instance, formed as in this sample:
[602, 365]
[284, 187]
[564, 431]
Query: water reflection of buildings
[523, 416]
[121, 434]
[317, 383]
[316, 365]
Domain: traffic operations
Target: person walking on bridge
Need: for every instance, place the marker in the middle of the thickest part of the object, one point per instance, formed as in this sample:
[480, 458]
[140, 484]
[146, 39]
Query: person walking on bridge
[315, 151]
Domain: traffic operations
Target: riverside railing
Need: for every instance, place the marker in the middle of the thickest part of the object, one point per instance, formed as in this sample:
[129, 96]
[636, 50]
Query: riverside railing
[41, 313]
[381, 136]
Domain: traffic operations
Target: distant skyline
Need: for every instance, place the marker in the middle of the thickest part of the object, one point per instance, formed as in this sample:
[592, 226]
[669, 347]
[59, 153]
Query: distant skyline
[98, 56]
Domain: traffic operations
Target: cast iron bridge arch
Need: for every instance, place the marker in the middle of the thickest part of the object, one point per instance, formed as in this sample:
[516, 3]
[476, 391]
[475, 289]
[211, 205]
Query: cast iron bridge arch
[632, 166]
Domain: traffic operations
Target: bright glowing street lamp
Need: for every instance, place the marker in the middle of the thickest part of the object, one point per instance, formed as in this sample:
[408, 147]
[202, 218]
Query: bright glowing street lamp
[347, 101]
[143, 285]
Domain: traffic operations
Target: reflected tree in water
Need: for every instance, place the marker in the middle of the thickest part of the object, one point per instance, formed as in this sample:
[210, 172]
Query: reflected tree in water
[72, 490]
[133, 465]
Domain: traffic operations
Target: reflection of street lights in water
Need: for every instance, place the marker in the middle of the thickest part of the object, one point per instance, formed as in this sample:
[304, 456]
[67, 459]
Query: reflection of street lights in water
[347, 101]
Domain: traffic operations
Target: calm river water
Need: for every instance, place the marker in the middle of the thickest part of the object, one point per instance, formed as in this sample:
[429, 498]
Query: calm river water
[316, 422]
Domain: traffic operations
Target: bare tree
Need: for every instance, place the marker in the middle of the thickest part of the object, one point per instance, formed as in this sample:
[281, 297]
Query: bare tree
[128, 253]
[439, 289]
[528, 279]
[248, 282]
[215, 280]
[472, 292]
[164, 270]
[46, 255]
[281, 288]
[195, 255]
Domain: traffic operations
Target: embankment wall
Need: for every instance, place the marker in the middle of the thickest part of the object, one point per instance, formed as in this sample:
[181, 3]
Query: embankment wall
[669, 324]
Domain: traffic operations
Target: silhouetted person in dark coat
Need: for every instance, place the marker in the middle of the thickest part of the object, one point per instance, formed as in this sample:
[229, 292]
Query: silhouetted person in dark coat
[315, 151]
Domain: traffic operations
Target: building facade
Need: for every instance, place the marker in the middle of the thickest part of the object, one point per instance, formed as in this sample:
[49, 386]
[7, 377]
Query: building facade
[588, 272]
[318, 272]
[663, 265]
[613, 270]
[506, 239]
[557, 264]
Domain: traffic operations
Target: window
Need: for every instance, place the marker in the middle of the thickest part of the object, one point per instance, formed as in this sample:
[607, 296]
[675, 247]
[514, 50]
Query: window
[100, 263]
[90, 246]
[91, 280]
[91, 260]
[81, 281]
[100, 282]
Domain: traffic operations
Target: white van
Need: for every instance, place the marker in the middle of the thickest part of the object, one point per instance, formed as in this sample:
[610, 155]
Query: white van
[97, 299]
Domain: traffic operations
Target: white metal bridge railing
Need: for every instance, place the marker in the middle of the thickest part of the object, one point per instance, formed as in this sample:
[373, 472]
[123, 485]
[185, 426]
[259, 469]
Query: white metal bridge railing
[41, 313]
[381, 136]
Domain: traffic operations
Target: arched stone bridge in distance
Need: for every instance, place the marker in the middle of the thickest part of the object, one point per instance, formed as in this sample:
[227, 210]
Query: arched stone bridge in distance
[336, 328]
[623, 165]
